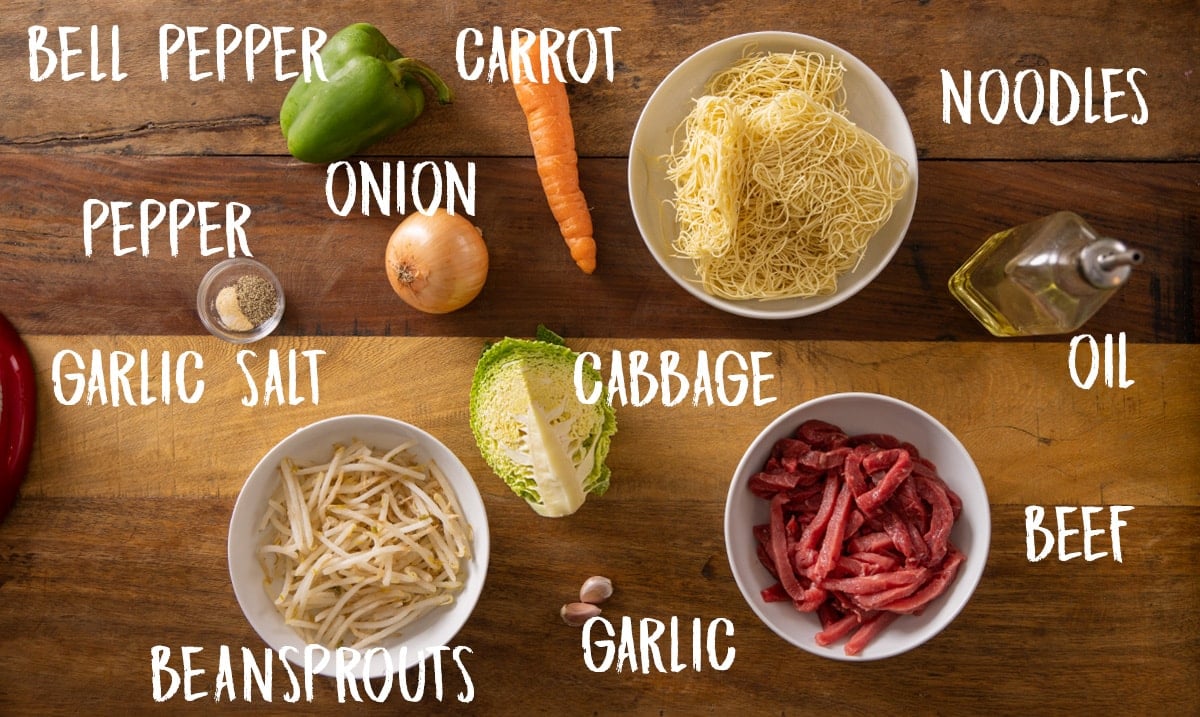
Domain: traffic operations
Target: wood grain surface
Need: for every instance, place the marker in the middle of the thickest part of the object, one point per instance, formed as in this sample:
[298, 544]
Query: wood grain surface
[118, 541]
[1036, 436]
[332, 272]
[100, 581]
[906, 43]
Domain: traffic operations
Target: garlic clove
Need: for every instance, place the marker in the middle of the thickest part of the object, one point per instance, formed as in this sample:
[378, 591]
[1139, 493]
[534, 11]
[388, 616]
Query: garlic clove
[596, 590]
[576, 614]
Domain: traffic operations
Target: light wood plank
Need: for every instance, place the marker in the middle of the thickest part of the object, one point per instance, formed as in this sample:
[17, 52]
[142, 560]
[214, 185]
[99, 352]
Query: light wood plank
[1036, 437]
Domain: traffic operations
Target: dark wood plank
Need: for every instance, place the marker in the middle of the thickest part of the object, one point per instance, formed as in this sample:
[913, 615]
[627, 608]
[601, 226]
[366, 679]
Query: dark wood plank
[106, 579]
[907, 44]
[332, 267]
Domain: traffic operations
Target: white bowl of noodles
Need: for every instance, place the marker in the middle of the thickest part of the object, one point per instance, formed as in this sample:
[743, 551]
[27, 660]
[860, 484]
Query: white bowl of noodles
[453, 506]
[729, 283]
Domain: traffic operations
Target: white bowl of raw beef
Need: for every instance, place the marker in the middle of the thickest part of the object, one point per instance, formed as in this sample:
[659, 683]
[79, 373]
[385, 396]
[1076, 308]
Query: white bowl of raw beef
[921, 617]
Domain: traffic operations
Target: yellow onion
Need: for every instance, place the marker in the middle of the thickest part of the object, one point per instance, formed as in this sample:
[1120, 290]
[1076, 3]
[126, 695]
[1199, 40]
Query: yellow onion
[437, 263]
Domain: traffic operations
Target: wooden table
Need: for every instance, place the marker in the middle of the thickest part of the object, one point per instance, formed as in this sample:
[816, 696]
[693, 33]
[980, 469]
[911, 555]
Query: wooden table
[117, 543]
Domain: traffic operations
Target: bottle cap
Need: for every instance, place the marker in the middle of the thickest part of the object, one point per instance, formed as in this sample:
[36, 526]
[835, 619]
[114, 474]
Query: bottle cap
[1107, 263]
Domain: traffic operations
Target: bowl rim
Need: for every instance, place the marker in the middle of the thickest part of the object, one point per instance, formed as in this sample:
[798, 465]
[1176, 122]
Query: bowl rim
[245, 574]
[850, 283]
[965, 583]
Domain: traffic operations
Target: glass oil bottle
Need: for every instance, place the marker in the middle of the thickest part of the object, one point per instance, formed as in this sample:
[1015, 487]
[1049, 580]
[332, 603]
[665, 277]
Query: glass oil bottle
[1045, 277]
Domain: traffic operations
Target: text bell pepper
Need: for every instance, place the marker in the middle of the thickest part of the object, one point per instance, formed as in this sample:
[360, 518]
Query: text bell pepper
[370, 90]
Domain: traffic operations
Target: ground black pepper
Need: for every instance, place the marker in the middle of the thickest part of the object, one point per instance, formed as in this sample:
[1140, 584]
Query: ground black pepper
[256, 298]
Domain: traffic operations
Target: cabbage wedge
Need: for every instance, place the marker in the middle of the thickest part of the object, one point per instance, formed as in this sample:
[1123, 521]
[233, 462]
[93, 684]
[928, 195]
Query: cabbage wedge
[532, 429]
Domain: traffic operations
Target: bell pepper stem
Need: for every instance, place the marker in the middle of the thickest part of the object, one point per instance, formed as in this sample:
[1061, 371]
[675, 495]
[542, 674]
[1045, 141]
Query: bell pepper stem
[402, 67]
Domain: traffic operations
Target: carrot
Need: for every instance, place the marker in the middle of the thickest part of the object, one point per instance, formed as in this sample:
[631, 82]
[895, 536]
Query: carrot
[548, 115]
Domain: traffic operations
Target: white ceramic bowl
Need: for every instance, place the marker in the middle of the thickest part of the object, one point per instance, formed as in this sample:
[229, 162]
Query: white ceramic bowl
[870, 104]
[859, 413]
[315, 443]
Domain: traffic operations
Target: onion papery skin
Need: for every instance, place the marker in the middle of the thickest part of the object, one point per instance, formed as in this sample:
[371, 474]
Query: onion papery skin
[437, 263]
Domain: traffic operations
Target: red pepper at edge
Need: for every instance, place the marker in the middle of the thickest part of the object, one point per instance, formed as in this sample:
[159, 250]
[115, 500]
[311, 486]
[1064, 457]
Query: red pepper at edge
[18, 413]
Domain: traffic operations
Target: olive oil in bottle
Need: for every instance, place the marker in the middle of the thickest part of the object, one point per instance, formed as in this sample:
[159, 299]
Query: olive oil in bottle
[1045, 277]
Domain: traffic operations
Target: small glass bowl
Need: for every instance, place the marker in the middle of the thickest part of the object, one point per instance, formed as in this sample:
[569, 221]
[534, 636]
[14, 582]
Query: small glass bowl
[226, 274]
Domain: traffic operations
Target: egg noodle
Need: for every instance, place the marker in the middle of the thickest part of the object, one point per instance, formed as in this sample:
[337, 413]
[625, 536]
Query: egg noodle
[358, 548]
[777, 192]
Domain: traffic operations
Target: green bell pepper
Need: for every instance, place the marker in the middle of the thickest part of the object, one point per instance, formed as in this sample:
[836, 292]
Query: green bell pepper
[370, 91]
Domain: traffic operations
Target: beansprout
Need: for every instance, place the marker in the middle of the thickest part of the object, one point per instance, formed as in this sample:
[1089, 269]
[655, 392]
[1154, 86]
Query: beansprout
[358, 548]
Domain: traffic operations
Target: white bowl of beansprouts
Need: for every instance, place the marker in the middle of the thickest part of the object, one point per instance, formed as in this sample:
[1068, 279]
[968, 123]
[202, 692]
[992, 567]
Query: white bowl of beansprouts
[745, 204]
[360, 532]
[900, 561]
